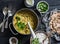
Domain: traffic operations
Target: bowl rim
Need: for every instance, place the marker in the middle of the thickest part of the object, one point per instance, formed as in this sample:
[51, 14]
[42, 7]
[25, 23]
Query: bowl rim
[34, 14]
[38, 4]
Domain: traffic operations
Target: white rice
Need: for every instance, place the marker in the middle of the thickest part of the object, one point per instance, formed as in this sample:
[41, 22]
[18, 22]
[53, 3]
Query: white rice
[41, 37]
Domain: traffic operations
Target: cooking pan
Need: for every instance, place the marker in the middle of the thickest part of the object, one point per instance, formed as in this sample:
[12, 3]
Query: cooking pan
[24, 9]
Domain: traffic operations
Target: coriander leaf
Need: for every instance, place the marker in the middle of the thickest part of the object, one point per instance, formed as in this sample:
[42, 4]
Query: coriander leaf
[35, 41]
[21, 25]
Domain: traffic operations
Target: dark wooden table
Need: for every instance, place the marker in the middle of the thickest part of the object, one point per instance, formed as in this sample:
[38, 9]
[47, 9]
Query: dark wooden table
[18, 4]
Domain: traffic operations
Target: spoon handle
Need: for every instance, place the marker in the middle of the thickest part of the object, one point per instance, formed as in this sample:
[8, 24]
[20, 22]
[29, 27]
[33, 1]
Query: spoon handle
[32, 32]
[3, 22]
[2, 30]
[6, 24]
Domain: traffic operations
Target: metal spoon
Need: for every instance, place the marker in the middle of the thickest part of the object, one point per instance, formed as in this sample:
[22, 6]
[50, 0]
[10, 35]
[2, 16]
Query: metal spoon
[10, 13]
[5, 13]
[32, 32]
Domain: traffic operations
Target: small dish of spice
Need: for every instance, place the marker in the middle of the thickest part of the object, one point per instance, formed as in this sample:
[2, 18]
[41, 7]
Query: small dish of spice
[13, 40]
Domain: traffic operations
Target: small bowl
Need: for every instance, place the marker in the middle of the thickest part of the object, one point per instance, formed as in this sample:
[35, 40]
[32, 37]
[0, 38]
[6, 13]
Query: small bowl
[27, 5]
[40, 32]
[10, 40]
[40, 9]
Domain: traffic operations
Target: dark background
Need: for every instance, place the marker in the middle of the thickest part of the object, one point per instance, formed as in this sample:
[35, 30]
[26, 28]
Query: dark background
[19, 4]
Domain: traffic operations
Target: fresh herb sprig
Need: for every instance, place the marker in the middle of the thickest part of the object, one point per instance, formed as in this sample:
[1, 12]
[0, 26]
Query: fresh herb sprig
[35, 41]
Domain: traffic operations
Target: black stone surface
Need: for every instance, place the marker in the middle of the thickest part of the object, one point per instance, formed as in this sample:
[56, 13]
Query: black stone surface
[18, 4]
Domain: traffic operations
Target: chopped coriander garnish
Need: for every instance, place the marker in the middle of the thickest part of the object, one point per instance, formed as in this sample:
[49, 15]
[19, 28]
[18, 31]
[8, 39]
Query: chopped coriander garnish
[43, 6]
[35, 41]
[21, 25]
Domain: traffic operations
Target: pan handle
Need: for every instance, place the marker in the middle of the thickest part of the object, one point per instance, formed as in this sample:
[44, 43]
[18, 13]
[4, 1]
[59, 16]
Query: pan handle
[12, 30]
